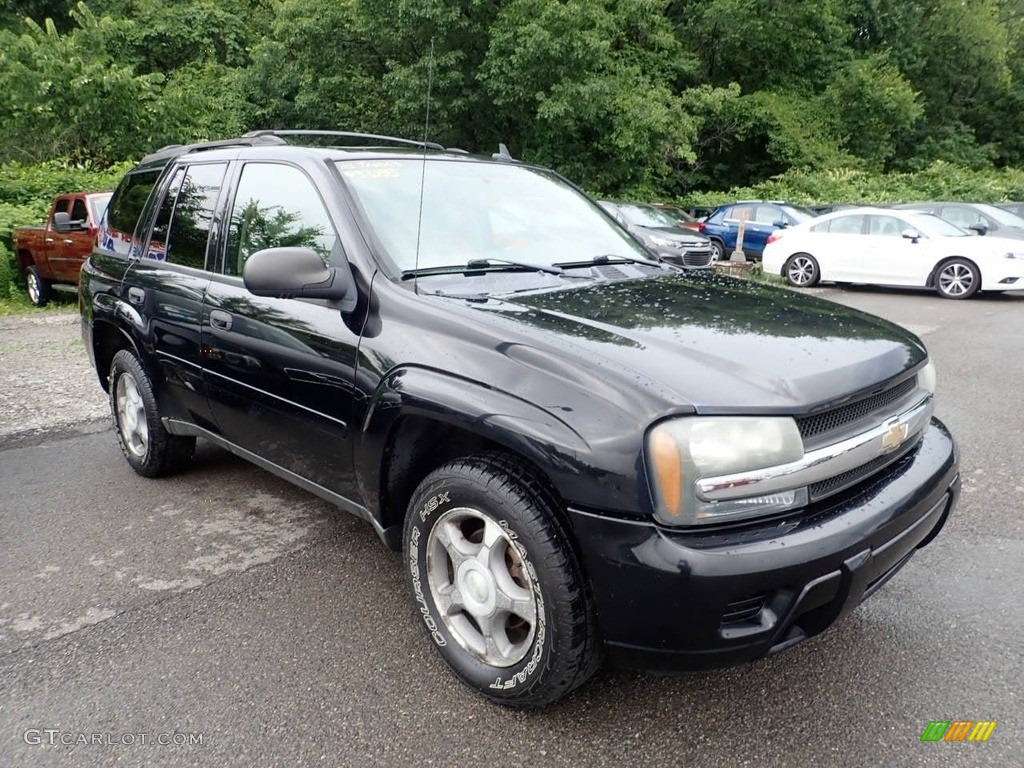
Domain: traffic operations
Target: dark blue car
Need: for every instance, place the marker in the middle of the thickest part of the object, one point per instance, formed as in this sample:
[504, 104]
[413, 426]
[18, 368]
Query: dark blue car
[762, 218]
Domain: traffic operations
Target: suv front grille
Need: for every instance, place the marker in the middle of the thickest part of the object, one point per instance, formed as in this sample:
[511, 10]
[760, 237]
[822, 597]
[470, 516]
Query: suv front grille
[697, 258]
[834, 485]
[837, 418]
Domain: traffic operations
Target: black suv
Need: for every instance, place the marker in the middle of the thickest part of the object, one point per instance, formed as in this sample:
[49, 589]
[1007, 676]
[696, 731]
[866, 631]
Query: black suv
[579, 451]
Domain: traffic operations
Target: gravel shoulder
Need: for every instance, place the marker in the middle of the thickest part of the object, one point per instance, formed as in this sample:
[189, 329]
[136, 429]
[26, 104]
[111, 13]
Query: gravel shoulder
[46, 381]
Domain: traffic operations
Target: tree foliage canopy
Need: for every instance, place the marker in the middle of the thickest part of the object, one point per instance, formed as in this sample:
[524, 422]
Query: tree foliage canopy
[627, 97]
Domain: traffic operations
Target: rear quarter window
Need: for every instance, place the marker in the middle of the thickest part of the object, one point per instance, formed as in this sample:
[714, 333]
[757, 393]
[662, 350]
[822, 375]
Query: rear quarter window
[124, 211]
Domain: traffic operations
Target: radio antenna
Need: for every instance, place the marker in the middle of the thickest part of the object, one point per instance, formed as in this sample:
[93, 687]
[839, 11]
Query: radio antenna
[423, 167]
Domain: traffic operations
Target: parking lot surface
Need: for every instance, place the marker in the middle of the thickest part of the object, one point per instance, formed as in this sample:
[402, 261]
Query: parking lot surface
[226, 618]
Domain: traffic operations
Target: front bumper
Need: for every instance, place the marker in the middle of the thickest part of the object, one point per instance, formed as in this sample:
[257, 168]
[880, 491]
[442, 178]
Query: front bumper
[672, 600]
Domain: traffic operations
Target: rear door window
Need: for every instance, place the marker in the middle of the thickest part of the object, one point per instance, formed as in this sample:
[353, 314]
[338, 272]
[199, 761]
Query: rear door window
[886, 226]
[185, 220]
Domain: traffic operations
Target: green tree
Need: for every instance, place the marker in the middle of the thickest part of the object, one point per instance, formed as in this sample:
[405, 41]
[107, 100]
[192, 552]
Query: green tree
[69, 95]
[796, 45]
[874, 108]
[591, 89]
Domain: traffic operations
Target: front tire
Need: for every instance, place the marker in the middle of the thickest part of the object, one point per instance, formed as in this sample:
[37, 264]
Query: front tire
[957, 279]
[149, 448]
[39, 290]
[801, 270]
[497, 583]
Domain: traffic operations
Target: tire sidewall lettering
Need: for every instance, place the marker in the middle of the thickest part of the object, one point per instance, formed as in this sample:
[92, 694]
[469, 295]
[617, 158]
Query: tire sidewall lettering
[517, 675]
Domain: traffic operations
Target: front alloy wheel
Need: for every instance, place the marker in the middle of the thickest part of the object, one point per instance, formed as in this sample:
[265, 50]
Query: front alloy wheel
[957, 279]
[479, 582]
[497, 583]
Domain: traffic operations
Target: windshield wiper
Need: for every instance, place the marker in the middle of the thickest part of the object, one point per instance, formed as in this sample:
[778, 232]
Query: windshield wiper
[476, 265]
[490, 261]
[610, 258]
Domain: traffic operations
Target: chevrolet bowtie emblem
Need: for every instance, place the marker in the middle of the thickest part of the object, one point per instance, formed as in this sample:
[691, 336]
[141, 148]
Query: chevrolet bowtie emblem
[894, 435]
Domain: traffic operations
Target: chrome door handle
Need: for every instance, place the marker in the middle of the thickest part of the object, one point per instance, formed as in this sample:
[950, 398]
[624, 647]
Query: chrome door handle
[220, 319]
[69, 242]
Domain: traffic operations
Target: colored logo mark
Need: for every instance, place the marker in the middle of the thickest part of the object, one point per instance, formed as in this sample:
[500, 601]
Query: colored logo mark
[958, 730]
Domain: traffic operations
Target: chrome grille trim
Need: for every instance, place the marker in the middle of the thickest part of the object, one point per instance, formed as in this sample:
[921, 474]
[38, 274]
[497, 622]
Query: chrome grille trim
[823, 463]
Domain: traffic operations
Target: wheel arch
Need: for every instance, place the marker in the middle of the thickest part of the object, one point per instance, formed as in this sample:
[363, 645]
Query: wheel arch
[107, 340]
[422, 419]
[25, 259]
[930, 282]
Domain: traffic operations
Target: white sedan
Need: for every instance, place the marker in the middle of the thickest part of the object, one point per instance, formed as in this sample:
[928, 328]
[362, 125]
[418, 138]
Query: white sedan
[901, 248]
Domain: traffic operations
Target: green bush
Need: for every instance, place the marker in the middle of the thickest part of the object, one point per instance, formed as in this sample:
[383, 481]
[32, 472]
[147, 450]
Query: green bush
[8, 273]
[939, 181]
[27, 190]
[27, 184]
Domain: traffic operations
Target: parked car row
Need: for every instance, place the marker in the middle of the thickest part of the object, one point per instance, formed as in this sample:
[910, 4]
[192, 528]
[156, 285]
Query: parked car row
[896, 246]
[51, 255]
[664, 232]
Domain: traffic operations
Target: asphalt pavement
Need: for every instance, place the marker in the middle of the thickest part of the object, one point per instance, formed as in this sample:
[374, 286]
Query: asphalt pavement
[225, 618]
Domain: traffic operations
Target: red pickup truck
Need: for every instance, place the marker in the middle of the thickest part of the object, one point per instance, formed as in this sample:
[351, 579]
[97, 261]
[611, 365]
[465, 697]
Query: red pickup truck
[54, 253]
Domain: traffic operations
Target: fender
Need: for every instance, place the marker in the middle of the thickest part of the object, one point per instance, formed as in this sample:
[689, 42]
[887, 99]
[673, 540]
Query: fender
[108, 311]
[560, 451]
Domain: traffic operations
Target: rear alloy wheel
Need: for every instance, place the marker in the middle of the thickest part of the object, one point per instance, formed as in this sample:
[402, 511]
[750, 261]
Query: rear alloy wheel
[497, 583]
[717, 251]
[957, 279]
[149, 448]
[801, 270]
[39, 290]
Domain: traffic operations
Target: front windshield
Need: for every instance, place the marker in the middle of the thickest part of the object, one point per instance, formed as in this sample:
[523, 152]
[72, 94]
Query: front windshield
[646, 216]
[932, 225]
[479, 210]
[1006, 218]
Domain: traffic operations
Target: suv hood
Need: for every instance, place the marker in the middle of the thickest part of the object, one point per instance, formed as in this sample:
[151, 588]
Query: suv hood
[719, 344]
[687, 237]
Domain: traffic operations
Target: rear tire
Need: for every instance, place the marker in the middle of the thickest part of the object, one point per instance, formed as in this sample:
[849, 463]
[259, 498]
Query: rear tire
[497, 582]
[801, 270]
[39, 290]
[717, 251]
[150, 449]
[957, 279]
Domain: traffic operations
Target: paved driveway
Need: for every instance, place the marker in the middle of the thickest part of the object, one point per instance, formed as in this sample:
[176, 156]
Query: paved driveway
[246, 623]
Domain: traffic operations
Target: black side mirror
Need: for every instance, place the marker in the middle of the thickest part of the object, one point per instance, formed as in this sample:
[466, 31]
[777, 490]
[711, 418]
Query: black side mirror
[980, 228]
[911, 234]
[287, 273]
[62, 222]
[780, 223]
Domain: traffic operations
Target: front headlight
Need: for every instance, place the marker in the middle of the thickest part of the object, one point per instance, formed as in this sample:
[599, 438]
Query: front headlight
[927, 378]
[682, 451]
[664, 242]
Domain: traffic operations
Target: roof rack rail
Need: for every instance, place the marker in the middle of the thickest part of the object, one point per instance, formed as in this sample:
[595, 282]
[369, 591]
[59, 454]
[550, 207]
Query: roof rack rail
[173, 150]
[348, 135]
